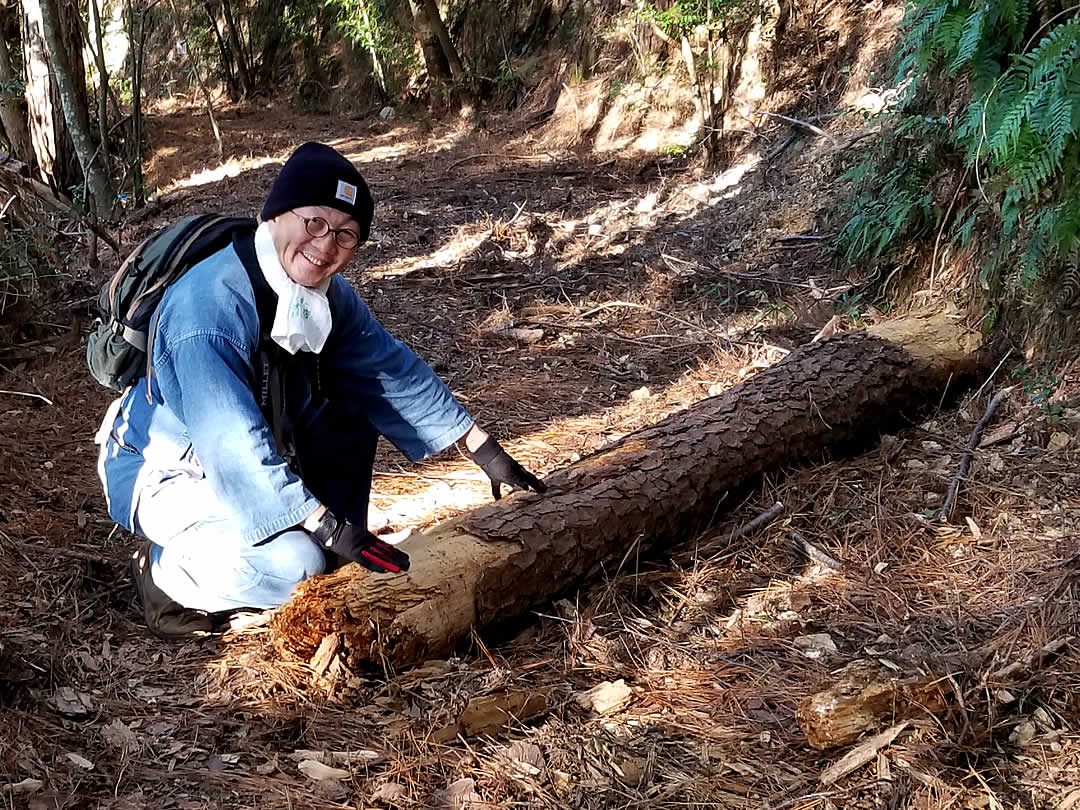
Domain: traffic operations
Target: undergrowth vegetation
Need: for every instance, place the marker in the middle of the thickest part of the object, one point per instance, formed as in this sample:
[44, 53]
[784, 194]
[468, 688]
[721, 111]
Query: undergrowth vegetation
[982, 139]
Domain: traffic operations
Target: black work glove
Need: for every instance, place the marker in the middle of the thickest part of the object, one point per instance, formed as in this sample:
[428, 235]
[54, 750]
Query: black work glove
[502, 469]
[359, 545]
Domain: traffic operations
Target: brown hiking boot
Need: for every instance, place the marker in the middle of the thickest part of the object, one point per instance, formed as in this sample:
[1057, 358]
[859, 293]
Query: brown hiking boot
[165, 617]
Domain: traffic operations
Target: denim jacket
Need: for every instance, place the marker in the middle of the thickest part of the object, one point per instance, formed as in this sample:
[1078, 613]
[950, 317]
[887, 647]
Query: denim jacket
[201, 417]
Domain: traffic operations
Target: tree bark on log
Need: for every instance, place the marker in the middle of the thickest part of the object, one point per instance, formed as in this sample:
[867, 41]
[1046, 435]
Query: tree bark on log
[656, 486]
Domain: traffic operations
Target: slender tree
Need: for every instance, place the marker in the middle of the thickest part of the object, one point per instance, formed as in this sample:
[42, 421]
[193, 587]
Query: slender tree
[73, 104]
[135, 22]
[11, 114]
[103, 76]
[228, 67]
[196, 69]
[245, 70]
[435, 62]
[49, 138]
[435, 20]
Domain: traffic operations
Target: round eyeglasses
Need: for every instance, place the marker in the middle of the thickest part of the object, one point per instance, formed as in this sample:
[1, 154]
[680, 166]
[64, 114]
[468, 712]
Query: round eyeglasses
[319, 227]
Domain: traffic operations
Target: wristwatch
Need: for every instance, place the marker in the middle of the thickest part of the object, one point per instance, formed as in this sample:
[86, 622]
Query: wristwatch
[327, 529]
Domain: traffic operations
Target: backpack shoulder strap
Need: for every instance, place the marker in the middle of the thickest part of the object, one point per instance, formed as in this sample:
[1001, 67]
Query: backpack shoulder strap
[265, 297]
[200, 237]
[269, 360]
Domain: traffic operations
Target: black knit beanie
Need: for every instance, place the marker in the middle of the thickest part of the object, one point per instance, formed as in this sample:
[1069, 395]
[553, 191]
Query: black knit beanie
[316, 174]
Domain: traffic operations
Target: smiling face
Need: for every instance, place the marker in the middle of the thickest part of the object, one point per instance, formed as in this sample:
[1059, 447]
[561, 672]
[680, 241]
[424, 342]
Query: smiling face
[310, 260]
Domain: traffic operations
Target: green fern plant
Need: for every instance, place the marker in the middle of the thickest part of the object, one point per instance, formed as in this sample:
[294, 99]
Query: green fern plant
[993, 89]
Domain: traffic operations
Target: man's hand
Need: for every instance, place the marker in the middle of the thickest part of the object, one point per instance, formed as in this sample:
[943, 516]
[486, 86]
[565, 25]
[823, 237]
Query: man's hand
[359, 545]
[502, 469]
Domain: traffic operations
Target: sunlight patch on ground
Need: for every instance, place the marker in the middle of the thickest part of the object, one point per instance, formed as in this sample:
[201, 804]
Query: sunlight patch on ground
[396, 144]
[607, 230]
[415, 496]
[233, 167]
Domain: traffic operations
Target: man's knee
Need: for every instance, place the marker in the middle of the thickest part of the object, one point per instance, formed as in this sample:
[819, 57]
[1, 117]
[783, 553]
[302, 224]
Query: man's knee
[290, 557]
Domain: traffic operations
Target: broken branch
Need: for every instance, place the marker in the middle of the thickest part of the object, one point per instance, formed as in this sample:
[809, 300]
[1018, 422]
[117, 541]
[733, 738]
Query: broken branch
[965, 460]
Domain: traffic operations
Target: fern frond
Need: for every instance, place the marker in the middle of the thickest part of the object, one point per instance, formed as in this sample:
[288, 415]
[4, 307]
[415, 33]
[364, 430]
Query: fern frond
[947, 33]
[969, 41]
[1051, 53]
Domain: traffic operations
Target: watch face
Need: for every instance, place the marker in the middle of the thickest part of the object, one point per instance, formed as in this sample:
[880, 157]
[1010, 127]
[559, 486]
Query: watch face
[327, 528]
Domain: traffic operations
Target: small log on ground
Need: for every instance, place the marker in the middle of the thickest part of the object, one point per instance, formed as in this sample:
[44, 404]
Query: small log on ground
[658, 485]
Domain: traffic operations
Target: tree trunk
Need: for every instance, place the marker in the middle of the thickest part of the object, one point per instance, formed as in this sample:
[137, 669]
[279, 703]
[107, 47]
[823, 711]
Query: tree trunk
[269, 14]
[11, 114]
[103, 78]
[136, 31]
[244, 67]
[457, 70]
[434, 58]
[225, 55]
[196, 69]
[435, 20]
[49, 136]
[72, 92]
[373, 51]
[657, 486]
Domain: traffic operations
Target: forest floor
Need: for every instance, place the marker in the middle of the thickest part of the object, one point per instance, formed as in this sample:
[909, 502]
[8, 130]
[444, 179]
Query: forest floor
[566, 299]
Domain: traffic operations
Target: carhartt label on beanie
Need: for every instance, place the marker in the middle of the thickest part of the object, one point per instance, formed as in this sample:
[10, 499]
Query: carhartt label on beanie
[316, 174]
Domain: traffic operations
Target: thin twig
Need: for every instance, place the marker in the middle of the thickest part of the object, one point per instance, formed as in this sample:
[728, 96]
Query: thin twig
[46, 400]
[631, 305]
[748, 528]
[480, 155]
[941, 230]
[824, 794]
[805, 237]
[965, 460]
[65, 553]
[993, 373]
[807, 124]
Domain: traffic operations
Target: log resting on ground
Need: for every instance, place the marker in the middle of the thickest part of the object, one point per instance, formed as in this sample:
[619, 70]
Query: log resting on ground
[656, 486]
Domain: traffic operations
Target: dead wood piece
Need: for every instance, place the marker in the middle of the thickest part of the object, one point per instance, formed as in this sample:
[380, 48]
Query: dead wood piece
[812, 552]
[61, 553]
[799, 122]
[56, 202]
[1032, 661]
[655, 487]
[860, 755]
[865, 694]
[969, 451]
[828, 330]
[327, 653]
[489, 714]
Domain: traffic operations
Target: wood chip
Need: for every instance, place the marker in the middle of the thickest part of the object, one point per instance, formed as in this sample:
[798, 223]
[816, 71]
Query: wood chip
[25, 786]
[68, 701]
[313, 769]
[1001, 433]
[390, 793]
[860, 755]
[79, 761]
[489, 714]
[605, 697]
[525, 758]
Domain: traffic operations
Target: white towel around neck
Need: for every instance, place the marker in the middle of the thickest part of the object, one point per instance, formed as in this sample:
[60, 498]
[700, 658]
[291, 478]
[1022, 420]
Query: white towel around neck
[302, 320]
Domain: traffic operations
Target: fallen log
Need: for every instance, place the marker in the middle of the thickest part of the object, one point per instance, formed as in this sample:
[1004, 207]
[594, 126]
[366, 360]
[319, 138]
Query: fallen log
[658, 485]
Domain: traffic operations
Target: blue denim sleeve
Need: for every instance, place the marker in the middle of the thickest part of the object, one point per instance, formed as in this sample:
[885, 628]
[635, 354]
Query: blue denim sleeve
[385, 382]
[202, 370]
